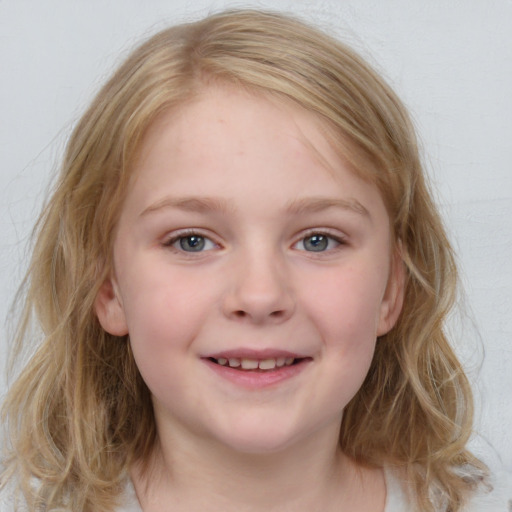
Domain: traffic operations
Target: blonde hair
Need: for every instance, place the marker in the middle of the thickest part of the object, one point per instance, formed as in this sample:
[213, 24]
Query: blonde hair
[79, 413]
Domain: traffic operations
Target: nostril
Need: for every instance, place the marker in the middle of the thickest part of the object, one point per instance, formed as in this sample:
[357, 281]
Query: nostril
[274, 314]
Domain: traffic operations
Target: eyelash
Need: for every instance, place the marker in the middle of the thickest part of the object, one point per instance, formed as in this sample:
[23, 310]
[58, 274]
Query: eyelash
[176, 237]
[329, 237]
[322, 234]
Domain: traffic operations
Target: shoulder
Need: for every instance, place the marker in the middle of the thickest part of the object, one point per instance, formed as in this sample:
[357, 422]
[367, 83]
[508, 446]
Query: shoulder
[10, 501]
[129, 501]
[396, 494]
[495, 497]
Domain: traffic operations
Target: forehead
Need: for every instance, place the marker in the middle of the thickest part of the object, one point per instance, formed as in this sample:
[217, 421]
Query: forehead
[214, 107]
[226, 135]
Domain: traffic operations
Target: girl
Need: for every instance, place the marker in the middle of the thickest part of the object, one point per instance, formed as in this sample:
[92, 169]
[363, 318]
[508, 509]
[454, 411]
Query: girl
[242, 281]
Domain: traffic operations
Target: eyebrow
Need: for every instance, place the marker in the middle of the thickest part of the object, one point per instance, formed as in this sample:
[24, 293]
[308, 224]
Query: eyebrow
[192, 204]
[296, 207]
[317, 204]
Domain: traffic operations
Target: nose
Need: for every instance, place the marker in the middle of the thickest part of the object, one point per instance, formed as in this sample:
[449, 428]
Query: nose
[259, 290]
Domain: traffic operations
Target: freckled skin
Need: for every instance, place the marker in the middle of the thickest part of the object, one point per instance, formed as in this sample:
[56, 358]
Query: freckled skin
[256, 284]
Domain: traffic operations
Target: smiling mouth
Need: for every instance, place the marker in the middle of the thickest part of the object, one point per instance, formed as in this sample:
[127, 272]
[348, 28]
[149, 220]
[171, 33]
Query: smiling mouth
[245, 364]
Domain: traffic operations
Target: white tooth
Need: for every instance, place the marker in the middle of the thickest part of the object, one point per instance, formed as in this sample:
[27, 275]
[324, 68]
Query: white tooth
[267, 364]
[234, 362]
[222, 361]
[289, 360]
[280, 361]
[249, 364]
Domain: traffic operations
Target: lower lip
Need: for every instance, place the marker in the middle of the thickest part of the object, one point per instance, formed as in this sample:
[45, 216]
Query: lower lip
[258, 379]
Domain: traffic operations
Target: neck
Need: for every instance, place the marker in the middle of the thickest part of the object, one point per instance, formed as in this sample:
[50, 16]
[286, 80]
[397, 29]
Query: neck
[307, 476]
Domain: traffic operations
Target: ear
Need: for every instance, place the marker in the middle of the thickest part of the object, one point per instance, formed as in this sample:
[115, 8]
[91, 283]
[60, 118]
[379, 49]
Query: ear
[109, 309]
[393, 299]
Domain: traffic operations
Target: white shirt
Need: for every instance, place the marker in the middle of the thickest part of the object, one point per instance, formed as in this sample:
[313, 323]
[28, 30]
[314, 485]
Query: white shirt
[497, 500]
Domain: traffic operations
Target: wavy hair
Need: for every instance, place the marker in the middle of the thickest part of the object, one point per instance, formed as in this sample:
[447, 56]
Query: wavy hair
[79, 413]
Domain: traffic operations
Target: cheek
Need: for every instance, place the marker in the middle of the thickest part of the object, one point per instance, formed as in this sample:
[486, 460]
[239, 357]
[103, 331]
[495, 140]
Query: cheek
[161, 330]
[348, 305]
[162, 297]
[347, 318]
[164, 314]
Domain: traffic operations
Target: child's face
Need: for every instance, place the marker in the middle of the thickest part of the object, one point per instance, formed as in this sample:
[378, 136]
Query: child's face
[245, 239]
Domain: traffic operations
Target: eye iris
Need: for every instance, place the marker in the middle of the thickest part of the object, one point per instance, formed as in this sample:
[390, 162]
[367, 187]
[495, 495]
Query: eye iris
[192, 243]
[316, 243]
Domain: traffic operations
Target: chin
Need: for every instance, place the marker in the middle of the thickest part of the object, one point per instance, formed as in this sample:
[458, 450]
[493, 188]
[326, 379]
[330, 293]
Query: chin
[258, 447]
[265, 440]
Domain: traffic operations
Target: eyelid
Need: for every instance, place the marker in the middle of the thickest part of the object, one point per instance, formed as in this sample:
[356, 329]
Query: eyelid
[171, 238]
[338, 237]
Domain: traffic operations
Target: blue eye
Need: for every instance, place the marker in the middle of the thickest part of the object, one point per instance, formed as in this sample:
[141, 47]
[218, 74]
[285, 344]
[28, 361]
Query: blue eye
[191, 243]
[317, 242]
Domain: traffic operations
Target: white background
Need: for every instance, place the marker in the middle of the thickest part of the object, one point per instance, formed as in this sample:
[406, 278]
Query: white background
[451, 62]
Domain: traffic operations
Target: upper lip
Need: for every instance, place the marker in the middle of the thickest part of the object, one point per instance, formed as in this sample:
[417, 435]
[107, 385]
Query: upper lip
[247, 353]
